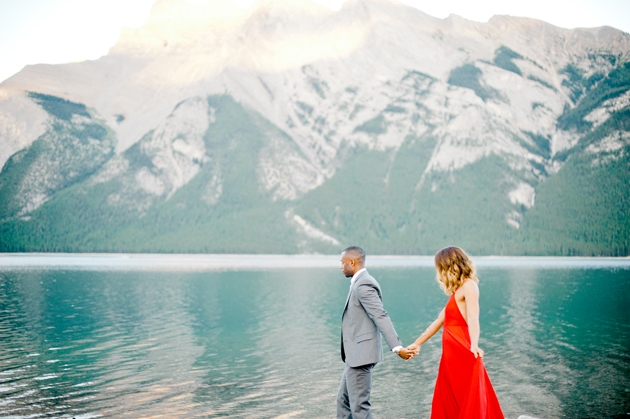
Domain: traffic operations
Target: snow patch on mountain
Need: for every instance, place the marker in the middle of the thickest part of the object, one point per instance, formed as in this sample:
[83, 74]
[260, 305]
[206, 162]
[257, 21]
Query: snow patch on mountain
[284, 170]
[214, 189]
[609, 148]
[177, 149]
[524, 194]
[514, 219]
[313, 232]
[165, 160]
[21, 122]
[563, 140]
[67, 152]
[110, 170]
[599, 115]
[149, 182]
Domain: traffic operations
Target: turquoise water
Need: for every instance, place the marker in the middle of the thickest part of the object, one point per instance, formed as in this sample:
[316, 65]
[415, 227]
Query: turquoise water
[94, 339]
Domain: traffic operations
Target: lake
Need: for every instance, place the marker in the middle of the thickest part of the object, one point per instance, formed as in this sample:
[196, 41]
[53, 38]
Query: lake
[89, 336]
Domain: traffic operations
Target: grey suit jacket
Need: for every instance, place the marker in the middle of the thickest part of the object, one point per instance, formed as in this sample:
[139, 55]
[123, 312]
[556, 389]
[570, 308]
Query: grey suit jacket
[363, 321]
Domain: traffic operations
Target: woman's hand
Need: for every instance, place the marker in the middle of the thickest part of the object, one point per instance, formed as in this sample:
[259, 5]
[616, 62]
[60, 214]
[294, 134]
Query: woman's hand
[477, 351]
[414, 349]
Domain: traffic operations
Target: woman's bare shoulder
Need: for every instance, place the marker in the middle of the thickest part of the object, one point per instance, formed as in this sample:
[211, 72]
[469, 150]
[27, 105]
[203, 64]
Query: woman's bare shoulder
[470, 286]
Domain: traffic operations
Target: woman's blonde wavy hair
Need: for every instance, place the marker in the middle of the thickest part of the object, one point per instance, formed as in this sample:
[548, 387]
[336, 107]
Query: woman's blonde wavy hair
[453, 267]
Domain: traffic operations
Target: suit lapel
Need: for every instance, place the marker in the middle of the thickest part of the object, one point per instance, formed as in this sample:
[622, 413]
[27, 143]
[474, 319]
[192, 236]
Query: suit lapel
[347, 299]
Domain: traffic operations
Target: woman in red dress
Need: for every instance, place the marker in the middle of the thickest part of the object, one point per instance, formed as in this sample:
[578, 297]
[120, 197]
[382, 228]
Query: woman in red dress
[463, 389]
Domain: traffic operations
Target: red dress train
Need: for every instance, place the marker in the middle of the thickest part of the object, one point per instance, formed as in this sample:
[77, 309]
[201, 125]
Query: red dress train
[463, 389]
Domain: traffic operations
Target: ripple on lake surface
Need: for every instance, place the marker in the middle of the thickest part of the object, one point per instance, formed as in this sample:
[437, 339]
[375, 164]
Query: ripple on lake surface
[264, 343]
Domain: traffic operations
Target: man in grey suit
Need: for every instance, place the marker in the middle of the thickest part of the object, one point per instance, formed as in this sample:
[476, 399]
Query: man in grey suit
[363, 322]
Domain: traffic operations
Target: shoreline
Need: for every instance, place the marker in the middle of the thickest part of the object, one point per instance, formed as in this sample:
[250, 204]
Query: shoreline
[267, 255]
[213, 262]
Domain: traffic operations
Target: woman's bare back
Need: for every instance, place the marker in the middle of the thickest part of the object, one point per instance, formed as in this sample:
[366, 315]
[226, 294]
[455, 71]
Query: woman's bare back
[460, 298]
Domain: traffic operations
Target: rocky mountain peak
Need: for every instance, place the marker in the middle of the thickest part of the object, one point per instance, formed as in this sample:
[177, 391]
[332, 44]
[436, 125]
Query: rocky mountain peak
[280, 7]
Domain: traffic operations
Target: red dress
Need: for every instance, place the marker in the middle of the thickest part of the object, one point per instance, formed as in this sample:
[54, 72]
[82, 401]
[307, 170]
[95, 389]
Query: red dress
[463, 389]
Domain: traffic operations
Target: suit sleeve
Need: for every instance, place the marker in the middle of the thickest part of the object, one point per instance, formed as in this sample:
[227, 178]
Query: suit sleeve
[368, 296]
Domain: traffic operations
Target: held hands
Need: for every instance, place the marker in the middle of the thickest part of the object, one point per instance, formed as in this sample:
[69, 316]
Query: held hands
[477, 351]
[409, 352]
[415, 349]
[405, 354]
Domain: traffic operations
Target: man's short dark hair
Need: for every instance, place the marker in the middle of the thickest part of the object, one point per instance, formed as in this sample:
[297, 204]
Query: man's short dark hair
[355, 252]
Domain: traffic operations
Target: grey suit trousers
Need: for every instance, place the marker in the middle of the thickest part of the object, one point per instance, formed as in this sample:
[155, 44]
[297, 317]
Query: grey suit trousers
[353, 398]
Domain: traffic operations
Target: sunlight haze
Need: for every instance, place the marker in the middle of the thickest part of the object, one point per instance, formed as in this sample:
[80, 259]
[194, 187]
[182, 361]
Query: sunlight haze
[60, 31]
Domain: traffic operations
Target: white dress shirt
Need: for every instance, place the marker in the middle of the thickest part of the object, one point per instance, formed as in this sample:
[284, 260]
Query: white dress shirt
[352, 281]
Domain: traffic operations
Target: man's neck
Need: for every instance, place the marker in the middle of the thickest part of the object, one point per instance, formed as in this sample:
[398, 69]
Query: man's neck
[354, 277]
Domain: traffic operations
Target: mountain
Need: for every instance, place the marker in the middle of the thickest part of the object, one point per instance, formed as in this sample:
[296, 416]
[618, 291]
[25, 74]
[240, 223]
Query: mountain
[291, 128]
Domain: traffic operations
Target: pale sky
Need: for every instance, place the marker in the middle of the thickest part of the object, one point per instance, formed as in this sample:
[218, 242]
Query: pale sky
[60, 31]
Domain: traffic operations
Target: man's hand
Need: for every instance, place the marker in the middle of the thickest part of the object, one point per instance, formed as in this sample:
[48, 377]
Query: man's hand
[405, 354]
